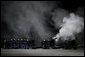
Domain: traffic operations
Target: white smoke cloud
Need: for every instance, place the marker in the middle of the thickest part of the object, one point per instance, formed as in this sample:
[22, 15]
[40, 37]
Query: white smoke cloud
[71, 26]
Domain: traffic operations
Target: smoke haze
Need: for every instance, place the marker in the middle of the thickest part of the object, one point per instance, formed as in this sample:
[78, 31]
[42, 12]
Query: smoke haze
[71, 25]
[39, 20]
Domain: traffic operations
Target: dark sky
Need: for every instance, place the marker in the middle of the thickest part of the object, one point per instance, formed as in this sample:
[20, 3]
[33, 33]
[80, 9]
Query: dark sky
[72, 4]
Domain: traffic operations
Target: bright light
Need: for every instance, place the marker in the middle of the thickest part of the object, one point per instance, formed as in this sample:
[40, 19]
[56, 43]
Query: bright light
[21, 39]
[18, 39]
[4, 40]
[14, 39]
[27, 39]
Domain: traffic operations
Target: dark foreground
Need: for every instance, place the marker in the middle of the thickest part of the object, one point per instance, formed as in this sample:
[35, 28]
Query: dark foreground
[41, 52]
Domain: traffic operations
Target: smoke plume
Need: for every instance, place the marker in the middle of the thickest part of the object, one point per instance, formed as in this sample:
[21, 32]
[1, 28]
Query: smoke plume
[39, 20]
[71, 26]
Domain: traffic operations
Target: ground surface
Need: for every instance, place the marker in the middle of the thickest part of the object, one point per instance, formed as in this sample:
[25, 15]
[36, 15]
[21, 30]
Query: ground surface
[41, 52]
